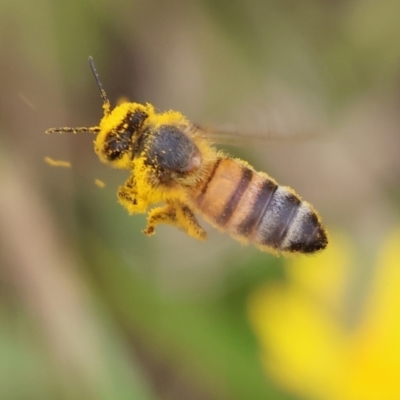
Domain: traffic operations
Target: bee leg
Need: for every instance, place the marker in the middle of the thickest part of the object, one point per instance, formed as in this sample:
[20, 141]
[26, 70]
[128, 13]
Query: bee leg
[177, 215]
[160, 215]
[188, 222]
[129, 198]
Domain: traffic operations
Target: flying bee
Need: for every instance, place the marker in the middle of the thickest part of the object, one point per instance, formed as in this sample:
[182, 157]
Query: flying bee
[172, 162]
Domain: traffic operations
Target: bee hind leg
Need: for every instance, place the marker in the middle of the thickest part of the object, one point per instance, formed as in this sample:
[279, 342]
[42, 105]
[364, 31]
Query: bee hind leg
[177, 215]
[189, 223]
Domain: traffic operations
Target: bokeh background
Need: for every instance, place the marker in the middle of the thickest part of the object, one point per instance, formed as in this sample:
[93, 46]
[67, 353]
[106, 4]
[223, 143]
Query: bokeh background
[90, 308]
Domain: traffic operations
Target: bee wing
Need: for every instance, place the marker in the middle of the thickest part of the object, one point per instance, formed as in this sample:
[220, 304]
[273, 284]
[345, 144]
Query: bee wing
[226, 136]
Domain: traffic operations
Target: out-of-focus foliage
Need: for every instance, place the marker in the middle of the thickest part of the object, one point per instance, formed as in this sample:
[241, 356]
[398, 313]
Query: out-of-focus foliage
[92, 309]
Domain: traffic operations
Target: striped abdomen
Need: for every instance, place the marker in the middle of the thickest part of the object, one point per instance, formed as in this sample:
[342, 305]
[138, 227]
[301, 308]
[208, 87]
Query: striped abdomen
[253, 207]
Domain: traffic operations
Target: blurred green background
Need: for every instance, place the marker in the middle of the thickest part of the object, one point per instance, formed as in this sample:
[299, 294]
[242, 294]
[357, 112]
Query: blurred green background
[90, 308]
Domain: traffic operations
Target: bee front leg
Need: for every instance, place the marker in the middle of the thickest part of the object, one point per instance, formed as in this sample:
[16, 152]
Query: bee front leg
[177, 215]
[129, 198]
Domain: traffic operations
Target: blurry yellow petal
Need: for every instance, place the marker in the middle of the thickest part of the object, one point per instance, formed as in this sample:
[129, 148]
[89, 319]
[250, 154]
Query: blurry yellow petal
[301, 341]
[384, 304]
[375, 354]
[306, 345]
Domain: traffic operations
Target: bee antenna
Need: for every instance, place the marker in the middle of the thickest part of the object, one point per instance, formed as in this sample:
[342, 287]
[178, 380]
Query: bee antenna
[106, 102]
[94, 129]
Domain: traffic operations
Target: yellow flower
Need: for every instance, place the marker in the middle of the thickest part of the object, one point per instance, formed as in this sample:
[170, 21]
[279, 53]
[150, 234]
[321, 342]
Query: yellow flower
[332, 331]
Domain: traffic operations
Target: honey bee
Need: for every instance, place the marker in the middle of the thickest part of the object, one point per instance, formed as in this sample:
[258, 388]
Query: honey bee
[171, 161]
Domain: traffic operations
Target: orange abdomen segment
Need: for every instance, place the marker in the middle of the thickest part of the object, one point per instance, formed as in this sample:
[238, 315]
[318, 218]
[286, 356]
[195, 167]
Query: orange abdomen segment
[253, 207]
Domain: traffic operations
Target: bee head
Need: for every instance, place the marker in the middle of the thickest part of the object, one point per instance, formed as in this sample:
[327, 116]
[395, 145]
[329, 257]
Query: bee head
[119, 132]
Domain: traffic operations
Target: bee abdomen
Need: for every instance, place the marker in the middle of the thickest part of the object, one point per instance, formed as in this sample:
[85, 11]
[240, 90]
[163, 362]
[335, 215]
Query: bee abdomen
[253, 207]
[289, 224]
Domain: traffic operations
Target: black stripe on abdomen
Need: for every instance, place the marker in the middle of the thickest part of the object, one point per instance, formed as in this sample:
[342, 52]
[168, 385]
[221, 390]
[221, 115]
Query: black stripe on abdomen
[209, 179]
[306, 234]
[277, 218]
[264, 196]
[236, 196]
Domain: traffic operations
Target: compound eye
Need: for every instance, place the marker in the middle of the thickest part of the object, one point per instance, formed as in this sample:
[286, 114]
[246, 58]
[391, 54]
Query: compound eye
[116, 147]
[136, 120]
[122, 139]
